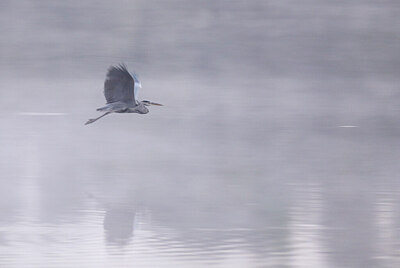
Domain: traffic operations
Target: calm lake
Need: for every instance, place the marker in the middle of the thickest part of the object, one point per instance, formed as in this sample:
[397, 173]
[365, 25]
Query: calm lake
[277, 145]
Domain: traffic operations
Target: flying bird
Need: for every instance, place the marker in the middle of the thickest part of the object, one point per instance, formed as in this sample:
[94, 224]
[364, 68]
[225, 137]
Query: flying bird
[121, 92]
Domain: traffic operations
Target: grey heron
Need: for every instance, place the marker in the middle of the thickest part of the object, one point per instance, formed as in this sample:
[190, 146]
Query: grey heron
[121, 92]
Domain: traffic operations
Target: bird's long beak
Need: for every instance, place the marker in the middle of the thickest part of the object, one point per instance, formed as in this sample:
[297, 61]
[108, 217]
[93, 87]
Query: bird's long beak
[157, 104]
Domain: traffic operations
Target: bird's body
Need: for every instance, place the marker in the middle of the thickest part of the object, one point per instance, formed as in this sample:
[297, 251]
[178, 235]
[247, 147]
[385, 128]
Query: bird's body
[122, 107]
[120, 91]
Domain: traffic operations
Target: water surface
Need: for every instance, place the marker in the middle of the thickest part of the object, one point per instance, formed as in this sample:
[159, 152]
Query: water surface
[277, 145]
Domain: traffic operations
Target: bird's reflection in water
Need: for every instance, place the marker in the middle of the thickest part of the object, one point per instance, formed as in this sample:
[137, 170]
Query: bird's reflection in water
[119, 225]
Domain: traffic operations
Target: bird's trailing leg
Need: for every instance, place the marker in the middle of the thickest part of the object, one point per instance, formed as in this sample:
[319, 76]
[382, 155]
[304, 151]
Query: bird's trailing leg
[95, 119]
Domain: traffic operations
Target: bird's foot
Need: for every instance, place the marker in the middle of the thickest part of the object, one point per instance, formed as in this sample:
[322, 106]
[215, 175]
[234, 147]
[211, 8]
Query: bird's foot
[90, 121]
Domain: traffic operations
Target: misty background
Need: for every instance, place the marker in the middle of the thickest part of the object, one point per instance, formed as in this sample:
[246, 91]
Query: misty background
[277, 144]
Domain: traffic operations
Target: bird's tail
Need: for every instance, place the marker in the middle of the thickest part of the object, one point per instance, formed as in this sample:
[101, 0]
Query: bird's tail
[101, 109]
[112, 107]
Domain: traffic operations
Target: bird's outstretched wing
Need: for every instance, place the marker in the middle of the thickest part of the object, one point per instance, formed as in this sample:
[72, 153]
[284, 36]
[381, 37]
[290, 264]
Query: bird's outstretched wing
[119, 85]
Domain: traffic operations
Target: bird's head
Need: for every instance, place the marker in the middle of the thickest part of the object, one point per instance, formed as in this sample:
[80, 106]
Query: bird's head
[148, 103]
